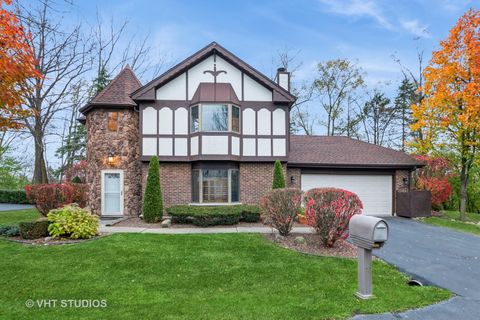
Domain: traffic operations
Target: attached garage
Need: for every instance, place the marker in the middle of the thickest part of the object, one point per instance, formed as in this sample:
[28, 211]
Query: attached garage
[374, 190]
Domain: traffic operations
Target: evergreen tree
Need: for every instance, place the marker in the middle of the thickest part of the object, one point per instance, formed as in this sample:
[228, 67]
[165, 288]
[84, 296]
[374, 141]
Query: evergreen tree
[406, 96]
[278, 177]
[152, 198]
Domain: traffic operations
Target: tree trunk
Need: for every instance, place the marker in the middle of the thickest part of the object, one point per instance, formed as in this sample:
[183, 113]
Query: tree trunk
[40, 171]
[463, 190]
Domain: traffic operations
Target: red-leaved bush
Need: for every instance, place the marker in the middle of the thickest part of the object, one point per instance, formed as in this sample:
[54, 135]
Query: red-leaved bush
[80, 194]
[279, 208]
[78, 169]
[47, 197]
[328, 211]
[434, 177]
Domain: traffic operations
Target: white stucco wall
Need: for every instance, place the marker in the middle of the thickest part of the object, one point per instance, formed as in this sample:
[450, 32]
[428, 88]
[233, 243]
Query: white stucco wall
[215, 145]
[181, 121]
[165, 146]
[264, 122]
[249, 146]
[279, 122]
[149, 118]
[176, 89]
[165, 121]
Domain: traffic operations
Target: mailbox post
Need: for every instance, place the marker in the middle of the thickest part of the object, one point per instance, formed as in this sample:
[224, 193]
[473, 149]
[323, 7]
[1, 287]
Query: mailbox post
[367, 233]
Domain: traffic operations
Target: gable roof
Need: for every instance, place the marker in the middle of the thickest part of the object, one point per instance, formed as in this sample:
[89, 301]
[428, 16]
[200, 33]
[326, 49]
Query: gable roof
[147, 92]
[339, 151]
[117, 92]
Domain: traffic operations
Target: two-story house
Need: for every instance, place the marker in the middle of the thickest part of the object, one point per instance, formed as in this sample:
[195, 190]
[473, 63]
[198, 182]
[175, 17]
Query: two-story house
[217, 125]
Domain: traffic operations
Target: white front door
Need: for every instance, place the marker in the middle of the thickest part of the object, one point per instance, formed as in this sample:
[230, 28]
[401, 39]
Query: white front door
[112, 192]
[375, 191]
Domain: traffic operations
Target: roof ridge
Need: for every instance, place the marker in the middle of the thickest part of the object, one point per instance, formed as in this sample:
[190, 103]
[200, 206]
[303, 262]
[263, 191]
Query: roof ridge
[110, 84]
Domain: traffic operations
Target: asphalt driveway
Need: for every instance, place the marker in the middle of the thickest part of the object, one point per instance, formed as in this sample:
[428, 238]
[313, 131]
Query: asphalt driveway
[11, 207]
[436, 256]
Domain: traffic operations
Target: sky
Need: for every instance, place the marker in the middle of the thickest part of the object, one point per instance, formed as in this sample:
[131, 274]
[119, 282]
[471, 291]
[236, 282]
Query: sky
[370, 33]
[366, 31]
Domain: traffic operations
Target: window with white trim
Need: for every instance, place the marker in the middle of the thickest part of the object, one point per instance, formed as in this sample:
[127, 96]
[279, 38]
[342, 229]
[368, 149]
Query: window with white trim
[211, 185]
[214, 117]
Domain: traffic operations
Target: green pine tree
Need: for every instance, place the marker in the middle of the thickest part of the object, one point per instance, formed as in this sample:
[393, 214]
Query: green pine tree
[152, 198]
[278, 178]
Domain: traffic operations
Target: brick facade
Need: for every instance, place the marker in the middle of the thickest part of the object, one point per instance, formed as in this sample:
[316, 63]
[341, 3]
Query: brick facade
[176, 182]
[399, 183]
[124, 144]
[255, 180]
[296, 173]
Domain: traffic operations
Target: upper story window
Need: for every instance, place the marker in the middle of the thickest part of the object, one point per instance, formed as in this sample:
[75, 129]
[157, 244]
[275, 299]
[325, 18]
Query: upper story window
[112, 121]
[208, 117]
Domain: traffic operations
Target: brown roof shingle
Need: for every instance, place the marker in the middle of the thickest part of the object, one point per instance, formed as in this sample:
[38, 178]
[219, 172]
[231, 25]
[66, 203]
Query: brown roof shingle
[117, 92]
[215, 92]
[338, 151]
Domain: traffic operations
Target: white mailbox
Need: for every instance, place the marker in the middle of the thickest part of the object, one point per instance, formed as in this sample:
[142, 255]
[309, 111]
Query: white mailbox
[368, 232]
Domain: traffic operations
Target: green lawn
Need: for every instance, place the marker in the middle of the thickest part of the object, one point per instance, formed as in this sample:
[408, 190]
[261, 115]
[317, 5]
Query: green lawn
[13, 217]
[222, 276]
[451, 219]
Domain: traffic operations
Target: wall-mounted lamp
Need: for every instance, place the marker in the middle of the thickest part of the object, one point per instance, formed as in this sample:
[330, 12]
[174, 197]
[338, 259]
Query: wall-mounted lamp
[405, 181]
[292, 180]
[111, 158]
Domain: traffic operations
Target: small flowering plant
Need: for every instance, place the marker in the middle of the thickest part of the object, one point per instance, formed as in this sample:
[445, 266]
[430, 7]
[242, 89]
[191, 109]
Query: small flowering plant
[328, 211]
[280, 207]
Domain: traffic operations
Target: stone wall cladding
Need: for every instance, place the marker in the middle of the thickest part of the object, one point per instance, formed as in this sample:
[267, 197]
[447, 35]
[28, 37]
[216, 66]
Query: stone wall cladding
[125, 145]
[176, 182]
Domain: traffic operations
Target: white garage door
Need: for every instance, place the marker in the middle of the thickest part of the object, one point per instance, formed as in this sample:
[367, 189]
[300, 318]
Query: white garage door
[375, 191]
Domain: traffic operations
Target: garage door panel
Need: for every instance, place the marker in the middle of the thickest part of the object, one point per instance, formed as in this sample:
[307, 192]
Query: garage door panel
[375, 191]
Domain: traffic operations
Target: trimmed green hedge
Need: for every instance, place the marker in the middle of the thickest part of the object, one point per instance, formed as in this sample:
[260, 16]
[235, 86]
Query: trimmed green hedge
[205, 216]
[13, 196]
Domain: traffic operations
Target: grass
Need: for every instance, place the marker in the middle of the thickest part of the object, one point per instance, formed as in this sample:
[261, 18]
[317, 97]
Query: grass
[16, 216]
[451, 219]
[222, 276]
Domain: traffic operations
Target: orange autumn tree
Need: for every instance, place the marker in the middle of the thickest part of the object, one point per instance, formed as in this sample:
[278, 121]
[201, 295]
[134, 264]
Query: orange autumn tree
[449, 114]
[17, 64]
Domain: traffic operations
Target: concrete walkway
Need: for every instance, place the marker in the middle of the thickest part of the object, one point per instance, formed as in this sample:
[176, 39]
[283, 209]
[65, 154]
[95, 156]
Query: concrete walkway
[232, 229]
[12, 207]
[436, 256]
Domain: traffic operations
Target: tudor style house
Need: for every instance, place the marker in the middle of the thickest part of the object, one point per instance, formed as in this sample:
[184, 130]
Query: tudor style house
[217, 125]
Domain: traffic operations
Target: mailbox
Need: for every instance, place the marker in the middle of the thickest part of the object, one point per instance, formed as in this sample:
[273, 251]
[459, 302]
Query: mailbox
[368, 232]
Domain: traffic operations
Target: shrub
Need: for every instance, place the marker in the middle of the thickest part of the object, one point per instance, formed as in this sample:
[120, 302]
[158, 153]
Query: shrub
[280, 207]
[434, 177]
[249, 213]
[76, 179]
[34, 230]
[278, 177]
[13, 196]
[205, 216]
[328, 211]
[10, 231]
[47, 197]
[72, 221]
[80, 194]
[152, 199]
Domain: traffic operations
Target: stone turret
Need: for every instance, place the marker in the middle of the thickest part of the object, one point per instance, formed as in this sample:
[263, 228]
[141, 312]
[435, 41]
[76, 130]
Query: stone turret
[112, 125]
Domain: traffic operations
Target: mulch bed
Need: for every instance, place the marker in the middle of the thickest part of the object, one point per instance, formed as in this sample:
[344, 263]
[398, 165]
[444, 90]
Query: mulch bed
[314, 246]
[49, 241]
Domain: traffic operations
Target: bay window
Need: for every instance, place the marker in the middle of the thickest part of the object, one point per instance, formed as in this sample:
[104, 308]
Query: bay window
[215, 185]
[214, 117]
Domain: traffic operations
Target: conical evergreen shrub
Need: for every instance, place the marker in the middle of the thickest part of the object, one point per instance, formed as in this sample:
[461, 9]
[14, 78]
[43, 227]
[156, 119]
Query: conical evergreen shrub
[278, 177]
[152, 198]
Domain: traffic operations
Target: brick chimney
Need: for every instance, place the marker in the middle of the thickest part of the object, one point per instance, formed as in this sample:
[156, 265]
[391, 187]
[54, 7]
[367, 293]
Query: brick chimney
[283, 78]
